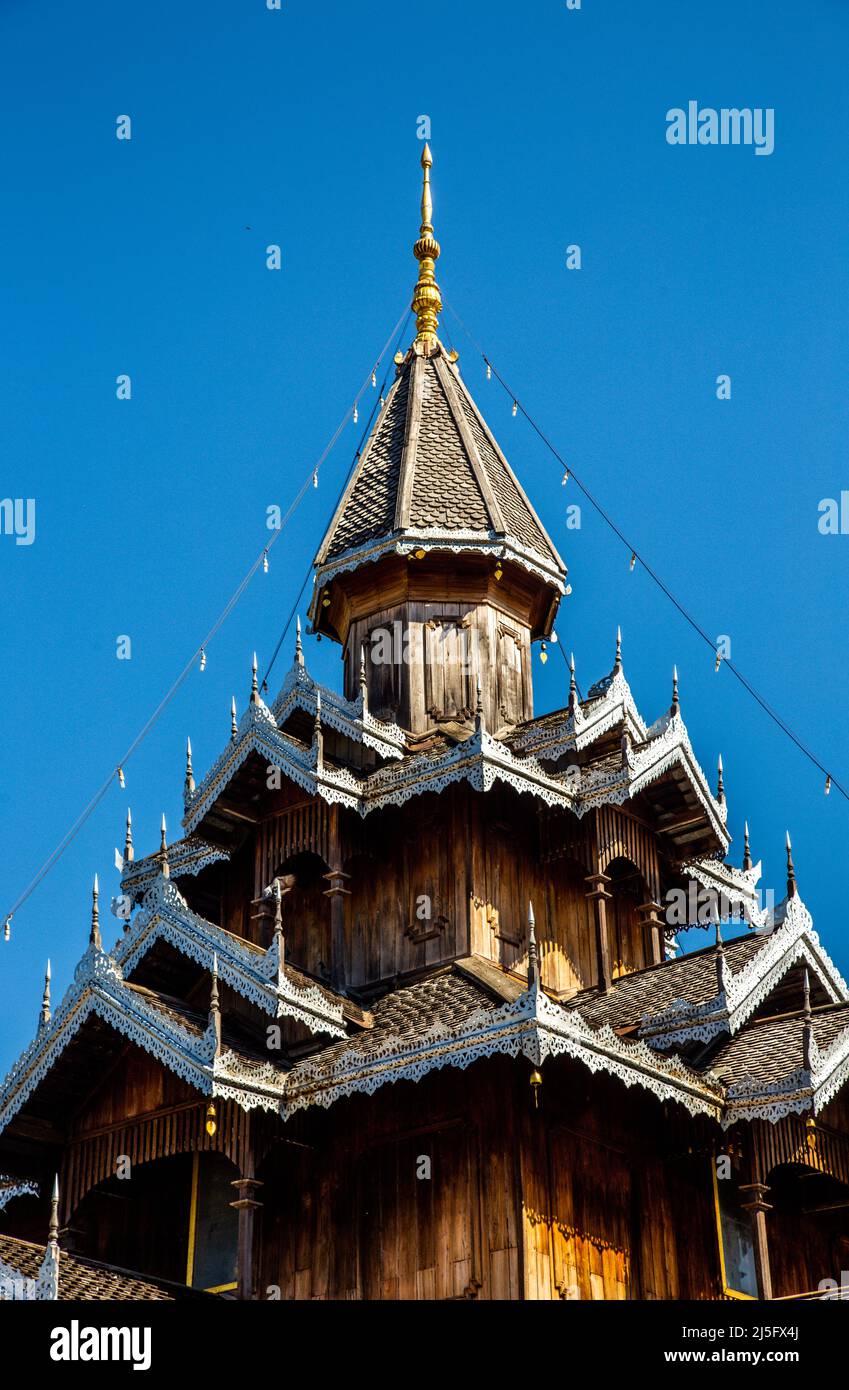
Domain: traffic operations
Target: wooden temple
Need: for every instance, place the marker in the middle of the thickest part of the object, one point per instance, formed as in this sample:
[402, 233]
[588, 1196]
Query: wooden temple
[399, 1015]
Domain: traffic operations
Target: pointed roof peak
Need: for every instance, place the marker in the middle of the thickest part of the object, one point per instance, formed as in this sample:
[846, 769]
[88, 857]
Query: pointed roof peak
[427, 300]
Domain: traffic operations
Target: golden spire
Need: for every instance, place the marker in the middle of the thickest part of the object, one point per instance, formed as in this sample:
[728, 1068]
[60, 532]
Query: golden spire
[427, 301]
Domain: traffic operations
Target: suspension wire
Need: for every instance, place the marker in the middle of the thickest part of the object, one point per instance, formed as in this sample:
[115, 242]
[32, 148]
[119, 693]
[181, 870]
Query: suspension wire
[637, 557]
[200, 649]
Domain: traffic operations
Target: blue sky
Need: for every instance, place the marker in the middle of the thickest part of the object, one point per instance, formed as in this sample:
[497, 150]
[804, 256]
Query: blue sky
[298, 127]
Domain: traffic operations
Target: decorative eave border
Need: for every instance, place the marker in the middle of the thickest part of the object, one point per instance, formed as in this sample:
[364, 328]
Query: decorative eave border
[348, 717]
[585, 727]
[532, 1026]
[10, 1188]
[433, 538]
[730, 1008]
[99, 988]
[188, 856]
[166, 916]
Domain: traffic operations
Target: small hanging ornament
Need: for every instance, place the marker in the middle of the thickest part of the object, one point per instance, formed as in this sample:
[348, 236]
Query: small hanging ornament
[567, 591]
[381, 402]
[565, 478]
[543, 654]
[374, 378]
[7, 928]
[121, 782]
[325, 599]
[633, 561]
[718, 662]
[265, 562]
[828, 784]
[211, 1123]
[811, 1133]
[488, 372]
[515, 408]
[498, 570]
[536, 1083]
[356, 415]
[315, 478]
[202, 659]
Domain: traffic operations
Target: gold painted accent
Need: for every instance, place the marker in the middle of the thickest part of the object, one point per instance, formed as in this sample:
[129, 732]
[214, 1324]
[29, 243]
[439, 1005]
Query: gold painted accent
[427, 301]
[726, 1291]
[193, 1220]
[211, 1125]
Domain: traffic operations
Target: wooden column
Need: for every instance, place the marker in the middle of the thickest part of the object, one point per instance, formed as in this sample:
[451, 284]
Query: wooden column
[759, 1208]
[599, 895]
[246, 1204]
[337, 893]
[653, 923]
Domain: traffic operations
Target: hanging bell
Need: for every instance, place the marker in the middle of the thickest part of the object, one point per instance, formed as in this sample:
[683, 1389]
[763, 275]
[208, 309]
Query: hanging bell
[265, 562]
[325, 599]
[121, 782]
[7, 928]
[356, 415]
[718, 662]
[811, 1132]
[633, 560]
[202, 659]
[515, 409]
[828, 784]
[536, 1083]
[498, 569]
[543, 654]
[374, 378]
[315, 478]
[488, 372]
[381, 402]
[211, 1123]
[565, 478]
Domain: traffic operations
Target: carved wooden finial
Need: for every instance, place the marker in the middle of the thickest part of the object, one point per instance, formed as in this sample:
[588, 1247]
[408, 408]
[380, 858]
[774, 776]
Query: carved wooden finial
[573, 685]
[234, 723]
[254, 686]
[164, 866]
[129, 852]
[53, 1228]
[190, 775]
[533, 963]
[299, 651]
[676, 704]
[94, 938]
[214, 1005]
[791, 872]
[617, 665]
[747, 853]
[720, 785]
[44, 1016]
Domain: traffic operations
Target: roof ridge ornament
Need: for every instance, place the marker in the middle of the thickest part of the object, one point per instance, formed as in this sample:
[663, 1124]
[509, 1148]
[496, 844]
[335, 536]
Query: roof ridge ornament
[427, 300]
[747, 853]
[792, 888]
[44, 1016]
[94, 935]
[675, 707]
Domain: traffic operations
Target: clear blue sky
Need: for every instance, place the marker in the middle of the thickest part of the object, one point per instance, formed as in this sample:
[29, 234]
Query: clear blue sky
[299, 127]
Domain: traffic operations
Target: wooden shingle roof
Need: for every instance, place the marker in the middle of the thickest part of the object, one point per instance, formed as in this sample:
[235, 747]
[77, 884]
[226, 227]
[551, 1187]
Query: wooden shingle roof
[432, 470]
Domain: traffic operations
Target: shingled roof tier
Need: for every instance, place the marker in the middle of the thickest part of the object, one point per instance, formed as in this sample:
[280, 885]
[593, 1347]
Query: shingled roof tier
[432, 474]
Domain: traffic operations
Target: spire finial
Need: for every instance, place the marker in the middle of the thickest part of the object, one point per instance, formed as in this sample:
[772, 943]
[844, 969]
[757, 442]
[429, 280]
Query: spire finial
[254, 686]
[44, 1017]
[129, 852]
[478, 701]
[94, 938]
[427, 301]
[234, 723]
[720, 785]
[791, 872]
[165, 868]
[806, 986]
[573, 684]
[299, 650]
[676, 705]
[214, 1005]
[747, 853]
[53, 1229]
[190, 775]
[617, 665]
[533, 963]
